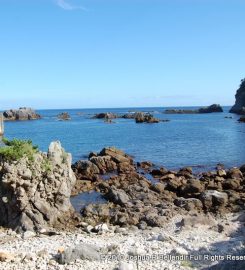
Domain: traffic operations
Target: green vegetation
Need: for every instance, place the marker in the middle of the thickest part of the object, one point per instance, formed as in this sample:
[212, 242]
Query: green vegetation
[16, 149]
[64, 157]
[187, 264]
[46, 165]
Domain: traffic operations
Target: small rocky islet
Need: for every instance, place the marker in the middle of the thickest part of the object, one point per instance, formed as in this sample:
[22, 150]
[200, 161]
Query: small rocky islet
[21, 114]
[215, 108]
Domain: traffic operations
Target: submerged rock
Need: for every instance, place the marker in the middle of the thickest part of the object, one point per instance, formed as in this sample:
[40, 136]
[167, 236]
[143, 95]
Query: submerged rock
[21, 114]
[239, 106]
[37, 191]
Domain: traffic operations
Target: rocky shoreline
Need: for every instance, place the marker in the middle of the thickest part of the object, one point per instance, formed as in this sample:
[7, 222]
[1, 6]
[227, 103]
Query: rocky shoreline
[147, 210]
[144, 196]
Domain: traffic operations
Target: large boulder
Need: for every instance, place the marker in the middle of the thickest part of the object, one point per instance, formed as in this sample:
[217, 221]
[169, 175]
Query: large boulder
[21, 114]
[35, 194]
[239, 106]
[85, 169]
[214, 200]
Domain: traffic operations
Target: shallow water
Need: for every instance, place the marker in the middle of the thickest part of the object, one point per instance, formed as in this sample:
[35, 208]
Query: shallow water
[187, 140]
[81, 200]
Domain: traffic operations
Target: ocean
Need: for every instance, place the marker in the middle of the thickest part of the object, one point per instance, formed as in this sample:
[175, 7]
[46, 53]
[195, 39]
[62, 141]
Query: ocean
[198, 140]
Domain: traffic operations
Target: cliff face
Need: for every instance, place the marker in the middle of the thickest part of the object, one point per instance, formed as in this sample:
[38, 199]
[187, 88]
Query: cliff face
[239, 106]
[36, 194]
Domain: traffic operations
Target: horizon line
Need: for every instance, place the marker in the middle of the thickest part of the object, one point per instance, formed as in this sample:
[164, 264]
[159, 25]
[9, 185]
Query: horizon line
[131, 107]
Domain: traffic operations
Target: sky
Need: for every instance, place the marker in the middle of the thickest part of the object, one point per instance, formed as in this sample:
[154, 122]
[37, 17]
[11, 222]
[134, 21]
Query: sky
[120, 53]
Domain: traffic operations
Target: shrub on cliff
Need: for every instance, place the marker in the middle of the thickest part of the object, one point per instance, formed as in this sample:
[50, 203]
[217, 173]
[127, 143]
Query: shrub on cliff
[16, 149]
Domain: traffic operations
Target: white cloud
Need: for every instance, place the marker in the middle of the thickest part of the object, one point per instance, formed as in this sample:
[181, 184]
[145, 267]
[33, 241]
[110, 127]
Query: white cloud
[68, 6]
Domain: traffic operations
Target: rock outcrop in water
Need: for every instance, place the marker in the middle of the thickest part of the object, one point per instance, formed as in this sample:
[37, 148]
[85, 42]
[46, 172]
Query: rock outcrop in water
[242, 119]
[21, 114]
[64, 116]
[35, 194]
[239, 106]
[107, 115]
[145, 118]
[215, 108]
[135, 199]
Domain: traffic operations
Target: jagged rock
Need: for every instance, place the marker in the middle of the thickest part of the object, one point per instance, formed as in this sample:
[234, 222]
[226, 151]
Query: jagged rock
[117, 155]
[117, 196]
[64, 116]
[145, 165]
[104, 163]
[21, 114]
[189, 204]
[192, 186]
[233, 184]
[235, 173]
[43, 198]
[145, 118]
[85, 170]
[214, 200]
[239, 106]
[158, 173]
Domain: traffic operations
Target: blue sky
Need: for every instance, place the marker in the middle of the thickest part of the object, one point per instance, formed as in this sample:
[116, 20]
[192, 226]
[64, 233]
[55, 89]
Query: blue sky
[120, 53]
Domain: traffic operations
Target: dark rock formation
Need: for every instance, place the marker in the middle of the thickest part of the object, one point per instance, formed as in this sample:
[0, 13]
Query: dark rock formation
[242, 119]
[129, 116]
[35, 194]
[239, 106]
[21, 114]
[135, 200]
[107, 115]
[176, 111]
[145, 118]
[64, 116]
[215, 108]
[210, 109]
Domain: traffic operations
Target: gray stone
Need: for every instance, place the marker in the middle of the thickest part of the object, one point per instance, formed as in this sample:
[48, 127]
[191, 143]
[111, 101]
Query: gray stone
[81, 252]
[40, 199]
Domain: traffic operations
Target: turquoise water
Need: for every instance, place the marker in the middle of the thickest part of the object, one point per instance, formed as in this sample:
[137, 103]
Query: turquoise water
[187, 140]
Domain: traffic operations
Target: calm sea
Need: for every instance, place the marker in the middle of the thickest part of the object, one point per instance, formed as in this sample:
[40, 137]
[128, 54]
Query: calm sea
[200, 140]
